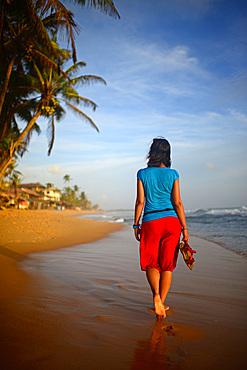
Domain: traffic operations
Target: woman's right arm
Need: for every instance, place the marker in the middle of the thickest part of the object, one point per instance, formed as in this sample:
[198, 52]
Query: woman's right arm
[140, 199]
[179, 208]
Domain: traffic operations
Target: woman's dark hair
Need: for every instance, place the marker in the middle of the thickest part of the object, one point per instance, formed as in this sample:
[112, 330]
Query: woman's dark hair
[159, 152]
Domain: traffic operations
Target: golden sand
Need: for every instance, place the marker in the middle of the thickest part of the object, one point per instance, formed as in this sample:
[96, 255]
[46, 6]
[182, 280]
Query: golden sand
[27, 231]
[90, 307]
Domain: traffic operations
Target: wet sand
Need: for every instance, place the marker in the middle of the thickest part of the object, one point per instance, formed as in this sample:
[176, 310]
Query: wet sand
[89, 306]
[23, 232]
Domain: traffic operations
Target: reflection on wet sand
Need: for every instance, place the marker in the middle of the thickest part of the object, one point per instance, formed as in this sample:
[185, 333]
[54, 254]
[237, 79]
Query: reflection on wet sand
[152, 353]
[163, 349]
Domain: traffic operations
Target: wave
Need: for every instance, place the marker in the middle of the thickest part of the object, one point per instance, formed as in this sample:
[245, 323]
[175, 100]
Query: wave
[119, 220]
[239, 211]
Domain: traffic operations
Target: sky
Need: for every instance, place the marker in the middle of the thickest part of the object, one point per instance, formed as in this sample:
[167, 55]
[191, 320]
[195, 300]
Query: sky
[174, 68]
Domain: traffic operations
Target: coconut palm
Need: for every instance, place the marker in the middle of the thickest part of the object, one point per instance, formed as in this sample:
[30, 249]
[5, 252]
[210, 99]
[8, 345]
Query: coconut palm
[67, 179]
[60, 16]
[76, 188]
[83, 196]
[24, 32]
[83, 199]
[52, 92]
[24, 36]
[67, 194]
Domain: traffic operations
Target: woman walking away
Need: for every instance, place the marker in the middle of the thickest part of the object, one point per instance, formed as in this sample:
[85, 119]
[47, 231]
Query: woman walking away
[163, 220]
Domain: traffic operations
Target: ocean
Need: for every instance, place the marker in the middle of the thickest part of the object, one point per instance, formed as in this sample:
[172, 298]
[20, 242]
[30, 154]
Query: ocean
[224, 226]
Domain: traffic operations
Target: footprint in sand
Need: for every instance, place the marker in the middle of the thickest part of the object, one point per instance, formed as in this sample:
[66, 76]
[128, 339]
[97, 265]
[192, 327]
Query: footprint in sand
[169, 329]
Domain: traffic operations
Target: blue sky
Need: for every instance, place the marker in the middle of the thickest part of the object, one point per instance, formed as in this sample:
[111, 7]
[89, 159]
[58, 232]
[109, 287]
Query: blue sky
[174, 68]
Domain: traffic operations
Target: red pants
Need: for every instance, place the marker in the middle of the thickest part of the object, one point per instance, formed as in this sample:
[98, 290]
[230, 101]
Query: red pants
[159, 245]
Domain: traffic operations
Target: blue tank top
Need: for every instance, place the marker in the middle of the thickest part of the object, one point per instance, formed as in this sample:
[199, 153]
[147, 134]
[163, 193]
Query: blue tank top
[158, 183]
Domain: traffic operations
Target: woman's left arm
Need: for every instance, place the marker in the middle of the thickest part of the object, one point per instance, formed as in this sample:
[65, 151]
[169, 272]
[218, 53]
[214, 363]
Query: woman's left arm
[179, 209]
[140, 199]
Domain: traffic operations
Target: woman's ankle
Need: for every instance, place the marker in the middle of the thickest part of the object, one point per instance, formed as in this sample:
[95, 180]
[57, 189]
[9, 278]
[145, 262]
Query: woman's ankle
[155, 294]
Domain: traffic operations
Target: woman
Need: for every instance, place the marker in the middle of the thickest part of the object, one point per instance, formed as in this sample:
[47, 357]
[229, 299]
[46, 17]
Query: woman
[159, 233]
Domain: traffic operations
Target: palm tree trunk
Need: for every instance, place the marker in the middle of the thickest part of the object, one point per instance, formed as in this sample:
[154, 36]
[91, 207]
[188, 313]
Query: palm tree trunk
[9, 157]
[6, 82]
[16, 196]
[27, 129]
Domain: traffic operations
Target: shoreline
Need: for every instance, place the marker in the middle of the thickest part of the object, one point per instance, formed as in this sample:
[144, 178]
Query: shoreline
[221, 245]
[30, 231]
[67, 309]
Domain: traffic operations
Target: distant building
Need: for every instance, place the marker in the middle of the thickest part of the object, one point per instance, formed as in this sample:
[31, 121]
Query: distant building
[32, 195]
[12, 201]
[35, 187]
[40, 196]
[51, 193]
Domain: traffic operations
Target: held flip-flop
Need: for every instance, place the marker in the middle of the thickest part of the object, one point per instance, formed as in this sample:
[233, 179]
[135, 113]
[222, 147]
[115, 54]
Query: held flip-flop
[187, 253]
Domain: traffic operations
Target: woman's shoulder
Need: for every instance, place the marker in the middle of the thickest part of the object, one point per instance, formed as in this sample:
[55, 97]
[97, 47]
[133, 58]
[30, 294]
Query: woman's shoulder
[144, 173]
[140, 172]
[174, 172]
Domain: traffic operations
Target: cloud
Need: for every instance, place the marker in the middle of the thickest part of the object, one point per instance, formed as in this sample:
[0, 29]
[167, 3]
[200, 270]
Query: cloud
[56, 169]
[151, 56]
[210, 166]
[147, 68]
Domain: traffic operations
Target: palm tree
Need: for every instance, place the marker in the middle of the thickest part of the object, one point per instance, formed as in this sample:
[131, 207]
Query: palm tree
[68, 193]
[24, 36]
[24, 32]
[67, 178]
[83, 199]
[52, 90]
[83, 196]
[76, 188]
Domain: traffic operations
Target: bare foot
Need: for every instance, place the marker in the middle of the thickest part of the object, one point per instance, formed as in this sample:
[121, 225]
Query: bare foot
[158, 306]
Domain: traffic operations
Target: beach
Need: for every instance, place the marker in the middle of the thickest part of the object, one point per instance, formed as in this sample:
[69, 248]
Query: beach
[73, 297]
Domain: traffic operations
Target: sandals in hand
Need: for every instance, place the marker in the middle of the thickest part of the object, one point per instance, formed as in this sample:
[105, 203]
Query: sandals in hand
[187, 253]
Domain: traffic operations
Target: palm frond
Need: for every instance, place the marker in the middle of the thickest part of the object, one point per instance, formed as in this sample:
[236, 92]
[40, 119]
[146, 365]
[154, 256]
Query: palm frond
[28, 137]
[59, 112]
[31, 105]
[50, 133]
[25, 109]
[87, 80]
[72, 69]
[63, 18]
[15, 126]
[49, 62]
[106, 6]
[63, 88]
[41, 79]
[84, 80]
[80, 99]
[82, 115]
[41, 31]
